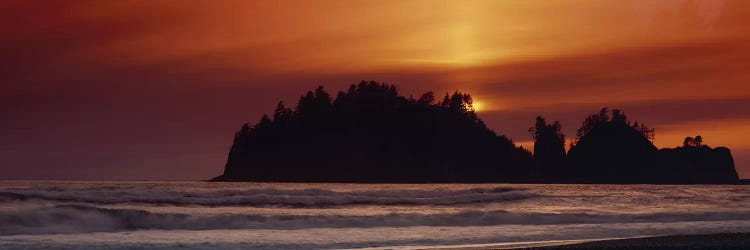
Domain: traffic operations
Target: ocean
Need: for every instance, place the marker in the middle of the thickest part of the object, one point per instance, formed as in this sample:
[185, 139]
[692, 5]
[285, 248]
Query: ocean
[201, 215]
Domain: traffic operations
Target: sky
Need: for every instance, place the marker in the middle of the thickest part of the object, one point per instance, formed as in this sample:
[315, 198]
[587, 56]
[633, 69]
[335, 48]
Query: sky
[154, 90]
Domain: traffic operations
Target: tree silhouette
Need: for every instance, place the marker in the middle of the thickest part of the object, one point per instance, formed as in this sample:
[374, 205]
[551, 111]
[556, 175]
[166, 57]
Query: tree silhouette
[619, 116]
[590, 123]
[446, 101]
[282, 114]
[603, 117]
[427, 98]
[698, 141]
[645, 131]
[696, 162]
[689, 142]
[549, 148]
[323, 99]
[609, 149]
[693, 142]
[371, 134]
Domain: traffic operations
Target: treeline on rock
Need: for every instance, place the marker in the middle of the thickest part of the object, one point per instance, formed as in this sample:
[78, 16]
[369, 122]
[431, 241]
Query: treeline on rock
[372, 134]
[608, 148]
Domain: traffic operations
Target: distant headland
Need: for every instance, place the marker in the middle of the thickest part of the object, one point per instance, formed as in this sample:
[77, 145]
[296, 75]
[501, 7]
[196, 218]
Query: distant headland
[372, 134]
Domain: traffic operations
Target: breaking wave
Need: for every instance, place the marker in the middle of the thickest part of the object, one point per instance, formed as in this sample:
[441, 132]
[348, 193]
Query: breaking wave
[273, 197]
[84, 219]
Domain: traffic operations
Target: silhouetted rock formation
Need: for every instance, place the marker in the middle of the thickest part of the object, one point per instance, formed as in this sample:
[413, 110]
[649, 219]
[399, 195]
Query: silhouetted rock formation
[549, 150]
[698, 164]
[372, 134]
[611, 150]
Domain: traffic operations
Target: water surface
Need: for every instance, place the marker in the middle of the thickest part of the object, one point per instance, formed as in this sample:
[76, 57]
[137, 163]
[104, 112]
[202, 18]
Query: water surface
[126, 215]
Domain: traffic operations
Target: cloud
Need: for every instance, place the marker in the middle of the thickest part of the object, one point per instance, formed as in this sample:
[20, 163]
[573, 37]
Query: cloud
[690, 70]
[89, 79]
[657, 114]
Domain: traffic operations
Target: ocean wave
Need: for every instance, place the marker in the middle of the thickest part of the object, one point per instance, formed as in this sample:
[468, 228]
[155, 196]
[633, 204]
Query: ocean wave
[84, 219]
[272, 197]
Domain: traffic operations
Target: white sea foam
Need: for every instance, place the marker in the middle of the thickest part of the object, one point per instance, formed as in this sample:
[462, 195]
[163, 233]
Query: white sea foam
[347, 238]
[81, 218]
[125, 215]
[269, 197]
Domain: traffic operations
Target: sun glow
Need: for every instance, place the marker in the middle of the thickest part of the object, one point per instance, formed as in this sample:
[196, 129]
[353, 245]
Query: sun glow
[478, 106]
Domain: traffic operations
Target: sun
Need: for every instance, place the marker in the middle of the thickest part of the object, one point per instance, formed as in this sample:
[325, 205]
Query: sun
[477, 105]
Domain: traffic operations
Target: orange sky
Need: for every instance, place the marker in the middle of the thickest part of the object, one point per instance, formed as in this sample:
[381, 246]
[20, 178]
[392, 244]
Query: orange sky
[113, 89]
